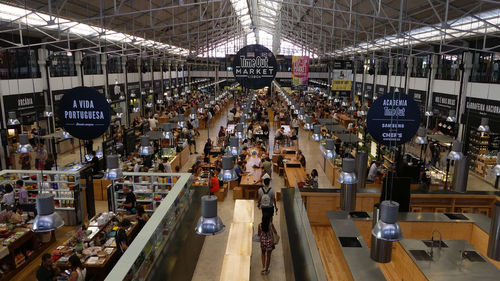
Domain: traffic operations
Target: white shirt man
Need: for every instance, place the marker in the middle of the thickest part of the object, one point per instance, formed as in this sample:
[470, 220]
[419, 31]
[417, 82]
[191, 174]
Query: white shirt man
[152, 123]
[374, 170]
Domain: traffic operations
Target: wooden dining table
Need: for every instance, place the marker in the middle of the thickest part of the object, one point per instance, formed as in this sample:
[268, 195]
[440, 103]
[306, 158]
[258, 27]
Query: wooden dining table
[294, 175]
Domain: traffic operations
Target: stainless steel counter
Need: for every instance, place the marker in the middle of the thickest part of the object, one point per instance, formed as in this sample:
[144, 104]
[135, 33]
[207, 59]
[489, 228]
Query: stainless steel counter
[448, 264]
[358, 259]
[364, 268]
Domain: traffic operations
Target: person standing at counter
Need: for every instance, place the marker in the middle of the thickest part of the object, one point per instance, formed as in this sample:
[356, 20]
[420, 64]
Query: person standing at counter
[130, 200]
[374, 171]
[8, 200]
[166, 165]
[41, 156]
[94, 162]
[25, 161]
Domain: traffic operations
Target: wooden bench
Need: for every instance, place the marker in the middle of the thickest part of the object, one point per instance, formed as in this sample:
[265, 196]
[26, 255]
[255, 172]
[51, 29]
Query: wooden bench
[237, 259]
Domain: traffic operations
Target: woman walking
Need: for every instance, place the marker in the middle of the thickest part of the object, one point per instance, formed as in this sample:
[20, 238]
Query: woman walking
[266, 234]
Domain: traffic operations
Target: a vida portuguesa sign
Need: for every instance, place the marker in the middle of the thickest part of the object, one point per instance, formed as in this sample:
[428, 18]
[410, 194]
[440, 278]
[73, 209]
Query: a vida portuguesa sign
[84, 113]
[393, 119]
[254, 67]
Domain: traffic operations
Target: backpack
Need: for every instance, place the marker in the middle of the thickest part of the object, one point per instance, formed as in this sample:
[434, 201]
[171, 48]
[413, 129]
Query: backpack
[265, 201]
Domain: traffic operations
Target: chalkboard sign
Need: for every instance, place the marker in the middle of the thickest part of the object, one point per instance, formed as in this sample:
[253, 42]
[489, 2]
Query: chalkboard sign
[393, 119]
[84, 113]
[255, 67]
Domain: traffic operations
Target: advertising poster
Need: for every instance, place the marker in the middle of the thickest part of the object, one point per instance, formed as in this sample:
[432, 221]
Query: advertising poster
[300, 70]
[342, 77]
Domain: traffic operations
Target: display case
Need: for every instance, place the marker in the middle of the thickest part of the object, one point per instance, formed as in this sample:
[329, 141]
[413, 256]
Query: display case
[149, 189]
[64, 185]
[437, 176]
[170, 225]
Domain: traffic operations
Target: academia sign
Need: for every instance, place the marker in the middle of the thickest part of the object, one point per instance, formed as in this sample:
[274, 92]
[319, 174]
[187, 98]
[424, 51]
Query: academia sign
[393, 119]
[254, 67]
[84, 113]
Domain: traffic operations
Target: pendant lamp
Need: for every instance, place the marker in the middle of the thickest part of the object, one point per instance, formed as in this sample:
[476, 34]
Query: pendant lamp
[113, 170]
[145, 148]
[209, 222]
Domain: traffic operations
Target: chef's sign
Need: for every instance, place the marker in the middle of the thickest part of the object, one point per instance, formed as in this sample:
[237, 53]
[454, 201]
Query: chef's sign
[393, 119]
[84, 113]
[254, 67]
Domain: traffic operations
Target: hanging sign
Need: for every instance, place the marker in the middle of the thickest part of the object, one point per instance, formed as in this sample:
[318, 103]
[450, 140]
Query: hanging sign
[254, 67]
[84, 113]
[300, 70]
[393, 119]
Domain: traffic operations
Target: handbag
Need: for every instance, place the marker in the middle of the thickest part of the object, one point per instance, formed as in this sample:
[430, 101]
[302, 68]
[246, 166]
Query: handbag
[276, 237]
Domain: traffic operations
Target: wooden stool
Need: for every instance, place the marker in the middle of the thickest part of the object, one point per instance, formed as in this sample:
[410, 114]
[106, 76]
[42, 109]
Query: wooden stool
[416, 209]
[250, 193]
[220, 195]
[466, 210]
[281, 171]
[238, 193]
[440, 210]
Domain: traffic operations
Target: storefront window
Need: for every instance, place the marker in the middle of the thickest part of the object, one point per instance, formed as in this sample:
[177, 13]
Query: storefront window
[156, 65]
[18, 64]
[62, 64]
[92, 64]
[114, 64]
[132, 65]
[420, 67]
[448, 67]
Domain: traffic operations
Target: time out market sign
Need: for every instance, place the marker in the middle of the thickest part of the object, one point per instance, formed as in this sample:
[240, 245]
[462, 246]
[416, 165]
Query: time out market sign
[254, 67]
[84, 113]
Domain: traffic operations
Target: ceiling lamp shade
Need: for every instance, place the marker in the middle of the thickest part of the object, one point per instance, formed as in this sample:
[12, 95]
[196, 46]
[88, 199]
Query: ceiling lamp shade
[24, 145]
[451, 117]
[344, 103]
[316, 136]
[421, 136]
[228, 173]
[329, 149]
[456, 151]
[308, 123]
[149, 103]
[484, 127]
[209, 223]
[429, 112]
[347, 174]
[113, 170]
[48, 112]
[234, 146]
[192, 114]
[109, 100]
[239, 131]
[496, 169]
[159, 101]
[352, 108]
[336, 99]
[66, 135]
[363, 111]
[387, 228]
[133, 94]
[136, 108]
[302, 114]
[145, 148]
[167, 131]
[182, 121]
[12, 121]
[47, 219]
[119, 112]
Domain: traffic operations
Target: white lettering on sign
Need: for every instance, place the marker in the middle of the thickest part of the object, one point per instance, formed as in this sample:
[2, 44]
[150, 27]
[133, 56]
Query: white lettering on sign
[483, 107]
[254, 62]
[446, 101]
[83, 114]
[24, 102]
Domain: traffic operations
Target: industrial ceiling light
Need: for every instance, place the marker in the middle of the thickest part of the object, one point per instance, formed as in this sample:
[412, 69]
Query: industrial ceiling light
[109, 100]
[200, 108]
[316, 136]
[363, 111]
[66, 135]
[329, 149]
[308, 123]
[302, 114]
[456, 151]
[149, 103]
[159, 101]
[451, 117]
[182, 122]
[239, 131]
[133, 94]
[421, 136]
[387, 228]
[136, 108]
[48, 112]
[24, 145]
[234, 146]
[496, 169]
[429, 112]
[192, 114]
[344, 102]
[47, 219]
[336, 99]
[209, 223]
[113, 170]
[347, 174]
[484, 127]
[12, 121]
[352, 108]
[228, 173]
[119, 112]
[145, 148]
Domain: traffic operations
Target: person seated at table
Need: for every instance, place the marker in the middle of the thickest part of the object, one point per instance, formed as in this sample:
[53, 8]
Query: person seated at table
[244, 153]
[47, 271]
[130, 201]
[253, 162]
[222, 132]
[375, 170]
[280, 134]
[312, 179]
[301, 158]
[238, 170]
[78, 272]
[121, 238]
[214, 182]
